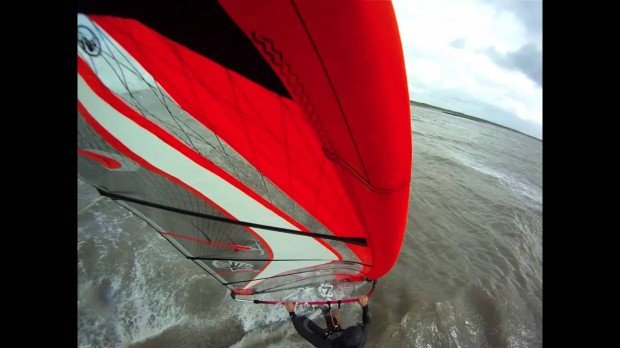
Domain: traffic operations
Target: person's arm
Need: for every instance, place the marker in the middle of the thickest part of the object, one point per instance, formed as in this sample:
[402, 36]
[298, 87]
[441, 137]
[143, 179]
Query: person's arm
[290, 307]
[366, 318]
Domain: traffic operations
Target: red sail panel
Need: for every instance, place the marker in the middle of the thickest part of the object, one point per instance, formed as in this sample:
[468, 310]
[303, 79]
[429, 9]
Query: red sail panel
[343, 61]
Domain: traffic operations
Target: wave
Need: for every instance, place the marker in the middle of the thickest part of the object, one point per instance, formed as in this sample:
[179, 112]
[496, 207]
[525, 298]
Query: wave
[519, 186]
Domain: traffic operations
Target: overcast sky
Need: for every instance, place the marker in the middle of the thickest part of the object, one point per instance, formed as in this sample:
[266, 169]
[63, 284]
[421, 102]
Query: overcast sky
[483, 58]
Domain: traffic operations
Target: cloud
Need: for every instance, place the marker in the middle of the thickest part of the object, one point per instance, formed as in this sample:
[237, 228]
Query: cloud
[485, 101]
[479, 57]
[458, 43]
[529, 13]
[527, 59]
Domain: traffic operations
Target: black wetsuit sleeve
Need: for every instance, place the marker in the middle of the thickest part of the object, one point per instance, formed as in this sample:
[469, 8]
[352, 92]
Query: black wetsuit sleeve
[366, 317]
[365, 325]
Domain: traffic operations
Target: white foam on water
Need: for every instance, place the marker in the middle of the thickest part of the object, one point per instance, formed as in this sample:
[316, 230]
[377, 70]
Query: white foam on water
[94, 201]
[285, 336]
[124, 301]
[132, 308]
[514, 183]
[147, 309]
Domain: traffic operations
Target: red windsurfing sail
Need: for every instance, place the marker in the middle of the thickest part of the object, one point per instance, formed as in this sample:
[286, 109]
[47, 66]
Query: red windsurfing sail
[270, 142]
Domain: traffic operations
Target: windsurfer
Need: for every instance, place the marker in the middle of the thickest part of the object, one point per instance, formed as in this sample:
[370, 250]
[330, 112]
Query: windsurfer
[334, 335]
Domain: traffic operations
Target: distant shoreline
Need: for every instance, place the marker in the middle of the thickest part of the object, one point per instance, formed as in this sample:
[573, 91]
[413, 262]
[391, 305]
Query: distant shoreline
[460, 114]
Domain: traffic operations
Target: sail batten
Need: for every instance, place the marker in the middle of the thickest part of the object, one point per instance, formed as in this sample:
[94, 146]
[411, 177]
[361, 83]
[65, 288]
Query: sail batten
[353, 240]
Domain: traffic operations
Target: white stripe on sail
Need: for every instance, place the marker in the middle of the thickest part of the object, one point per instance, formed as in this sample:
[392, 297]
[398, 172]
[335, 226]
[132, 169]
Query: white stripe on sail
[240, 205]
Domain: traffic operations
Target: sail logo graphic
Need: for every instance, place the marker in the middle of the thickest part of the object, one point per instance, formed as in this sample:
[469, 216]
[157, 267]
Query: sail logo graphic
[326, 290]
[88, 42]
[233, 265]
